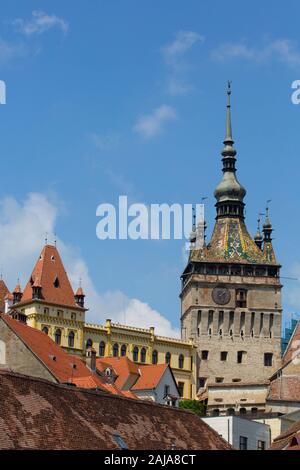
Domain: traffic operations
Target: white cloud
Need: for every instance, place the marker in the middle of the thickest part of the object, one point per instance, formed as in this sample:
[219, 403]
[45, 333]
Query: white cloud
[10, 51]
[183, 41]
[149, 125]
[22, 232]
[108, 141]
[177, 82]
[282, 50]
[39, 23]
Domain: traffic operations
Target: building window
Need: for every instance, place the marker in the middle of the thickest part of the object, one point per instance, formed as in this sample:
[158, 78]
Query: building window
[181, 361]
[261, 445]
[56, 282]
[89, 343]
[243, 443]
[135, 354]
[167, 390]
[71, 339]
[115, 350]
[268, 359]
[45, 330]
[73, 316]
[236, 380]
[154, 357]
[219, 380]
[204, 355]
[254, 411]
[241, 298]
[143, 355]
[59, 313]
[202, 382]
[168, 358]
[241, 357]
[243, 411]
[123, 350]
[46, 311]
[57, 336]
[180, 387]
[230, 412]
[215, 412]
[102, 349]
[223, 355]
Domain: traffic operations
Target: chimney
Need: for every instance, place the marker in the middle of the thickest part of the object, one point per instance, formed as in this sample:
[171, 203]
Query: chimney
[90, 358]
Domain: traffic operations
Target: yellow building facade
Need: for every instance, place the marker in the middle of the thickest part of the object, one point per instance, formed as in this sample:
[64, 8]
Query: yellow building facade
[50, 305]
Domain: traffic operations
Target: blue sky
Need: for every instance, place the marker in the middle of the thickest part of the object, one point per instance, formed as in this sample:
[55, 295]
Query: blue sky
[128, 97]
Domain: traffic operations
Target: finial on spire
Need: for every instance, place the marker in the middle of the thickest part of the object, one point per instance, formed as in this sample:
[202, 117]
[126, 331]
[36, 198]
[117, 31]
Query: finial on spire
[194, 218]
[46, 238]
[55, 240]
[228, 137]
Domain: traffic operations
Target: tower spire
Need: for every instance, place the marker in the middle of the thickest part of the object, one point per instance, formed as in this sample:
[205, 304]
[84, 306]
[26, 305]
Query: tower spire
[258, 237]
[229, 193]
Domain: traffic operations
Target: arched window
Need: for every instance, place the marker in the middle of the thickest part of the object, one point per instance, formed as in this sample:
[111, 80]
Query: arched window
[230, 412]
[45, 330]
[135, 353]
[143, 355]
[123, 350]
[71, 339]
[102, 348]
[57, 336]
[154, 357]
[181, 361]
[216, 412]
[243, 411]
[89, 343]
[115, 350]
[168, 358]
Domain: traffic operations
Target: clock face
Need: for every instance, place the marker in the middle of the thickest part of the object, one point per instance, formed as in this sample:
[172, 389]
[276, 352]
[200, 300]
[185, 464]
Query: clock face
[221, 295]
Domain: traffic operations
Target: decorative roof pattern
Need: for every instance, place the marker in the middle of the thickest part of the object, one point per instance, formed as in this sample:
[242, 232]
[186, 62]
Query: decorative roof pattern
[231, 242]
[80, 419]
[49, 274]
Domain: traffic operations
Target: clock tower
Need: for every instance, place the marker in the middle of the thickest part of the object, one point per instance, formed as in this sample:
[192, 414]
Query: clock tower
[231, 289]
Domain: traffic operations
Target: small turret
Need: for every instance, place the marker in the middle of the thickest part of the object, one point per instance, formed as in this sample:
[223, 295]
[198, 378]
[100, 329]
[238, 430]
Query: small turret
[258, 236]
[79, 297]
[17, 293]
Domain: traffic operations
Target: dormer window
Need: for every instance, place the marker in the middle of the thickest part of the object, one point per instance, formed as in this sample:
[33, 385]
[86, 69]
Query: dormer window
[108, 372]
[56, 282]
[52, 258]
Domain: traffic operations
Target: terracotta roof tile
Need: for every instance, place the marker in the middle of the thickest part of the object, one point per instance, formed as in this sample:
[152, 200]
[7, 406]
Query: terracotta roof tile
[47, 270]
[150, 376]
[122, 366]
[65, 367]
[289, 439]
[37, 414]
[286, 388]
[293, 348]
[3, 293]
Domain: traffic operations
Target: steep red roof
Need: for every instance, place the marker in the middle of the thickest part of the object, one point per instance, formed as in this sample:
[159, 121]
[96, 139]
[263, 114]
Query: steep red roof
[289, 439]
[286, 388]
[293, 348]
[49, 274]
[65, 367]
[122, 366]
[38, 414]
[3, 293]
[150, 376]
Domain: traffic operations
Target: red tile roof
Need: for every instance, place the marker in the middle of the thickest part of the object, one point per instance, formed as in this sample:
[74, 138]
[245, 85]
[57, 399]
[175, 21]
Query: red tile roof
[285, 388]
[37, 414]
[289, 439]
[42, 346]
[293, 348]
[3, 293]
[123, 367]
[150, 376]
[48, 268]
